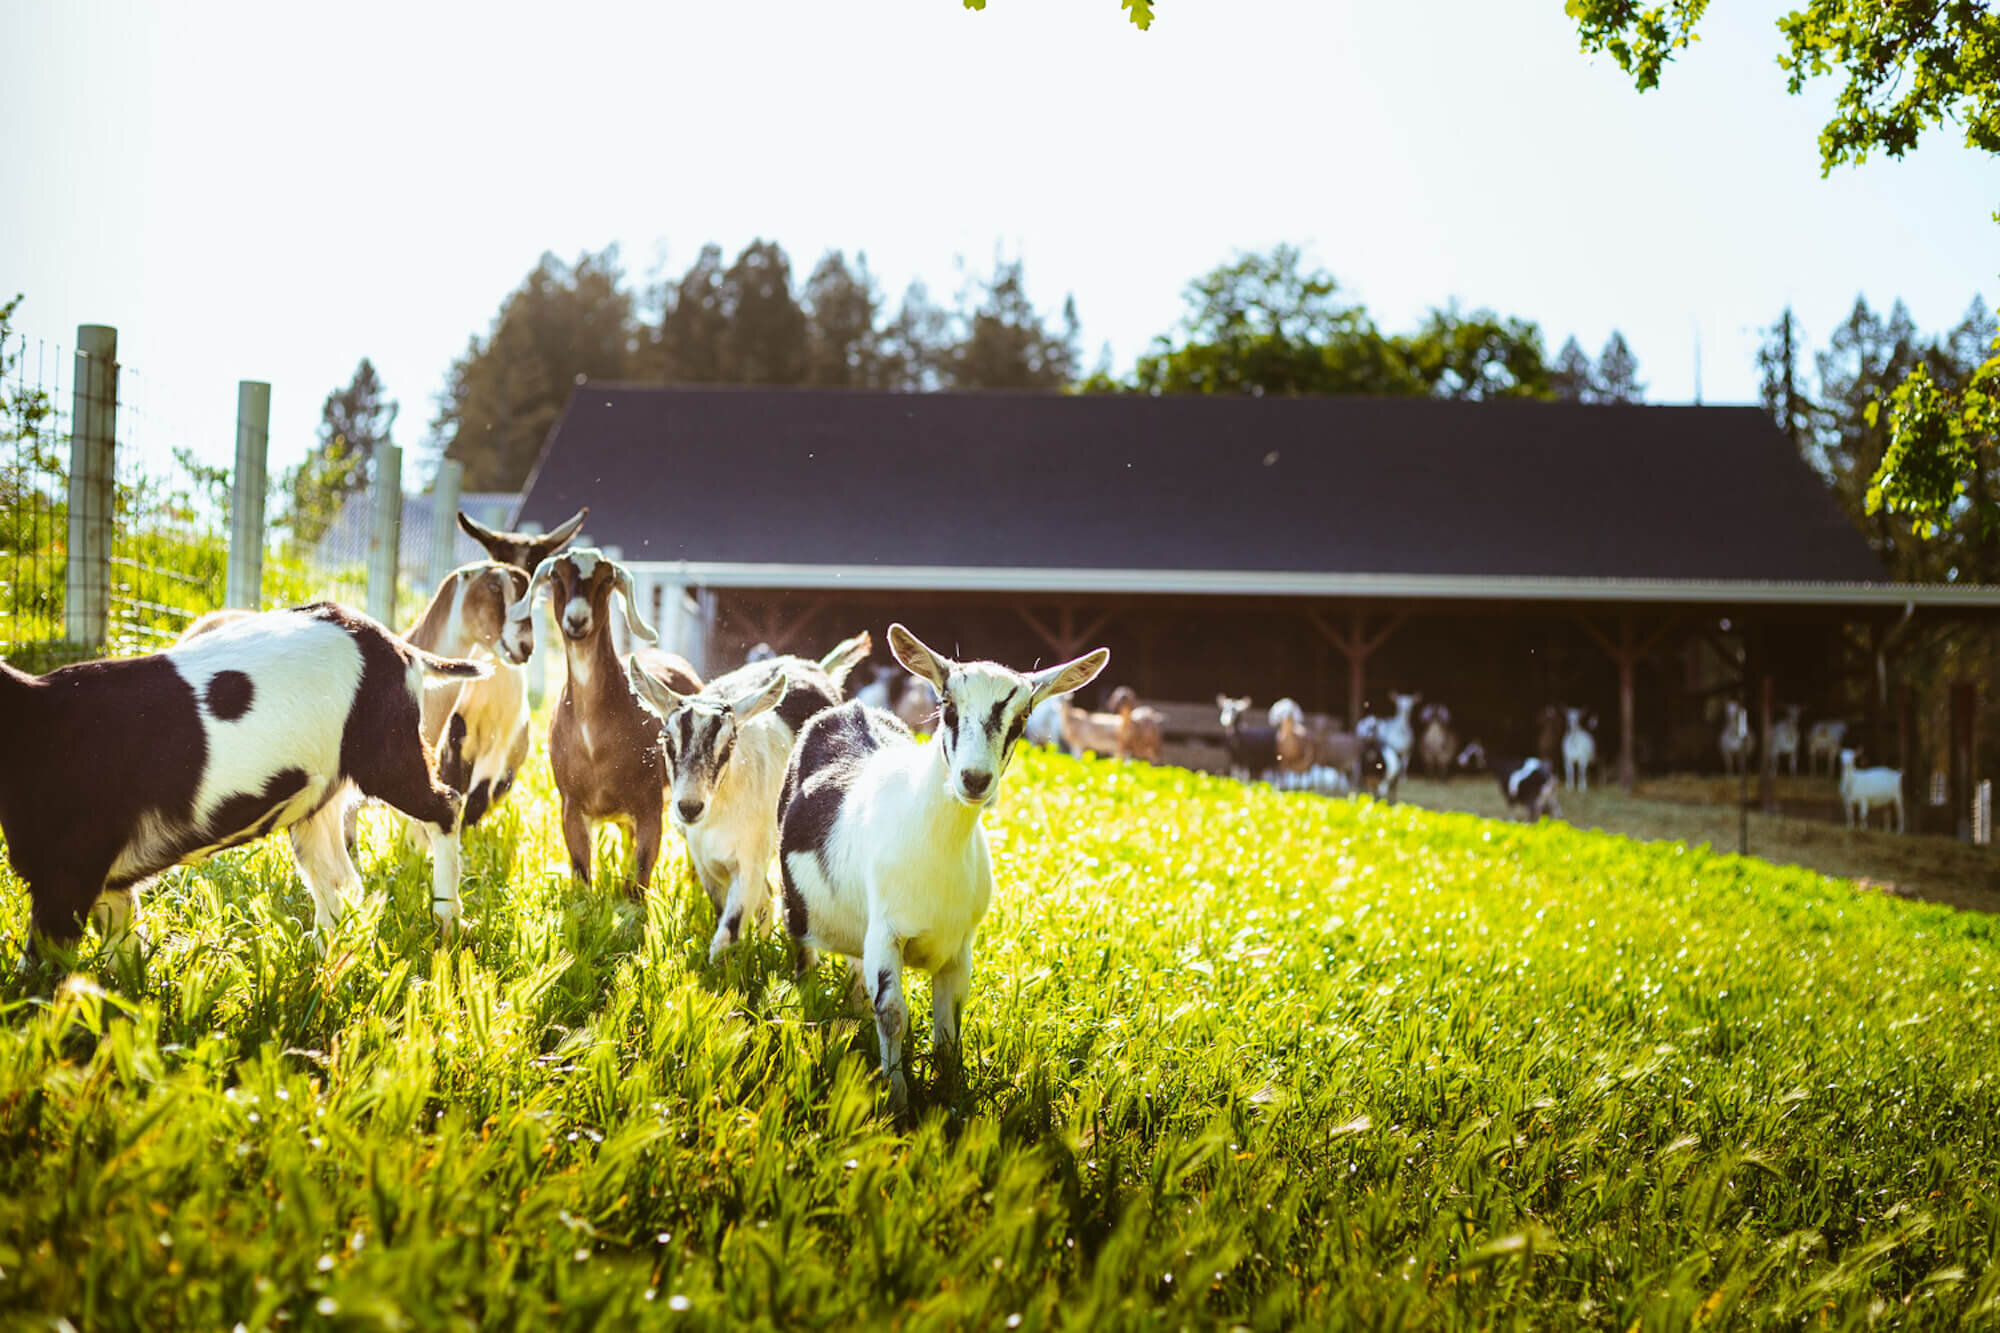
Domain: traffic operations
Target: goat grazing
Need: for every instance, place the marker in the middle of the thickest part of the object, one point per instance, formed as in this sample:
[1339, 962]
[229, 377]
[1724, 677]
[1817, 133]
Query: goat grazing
[1579, 747]
[725, 747]
[478, 730]
[1825, 741]
[1861, 789]
[604, 746]
[881, 847]
[257, 723]
[1253, 750]
[1437, 743]
[1735, 741]
[1785, 739]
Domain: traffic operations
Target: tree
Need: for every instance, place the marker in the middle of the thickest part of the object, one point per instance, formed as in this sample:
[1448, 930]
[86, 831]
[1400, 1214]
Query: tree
[352, 422]
[1004, 343]
[1782, 388]
[1865, 357]
[916, 343]
[1479, 356]
[843, 346]
[765, 341]
[24, 413]
[1908, 67]
[696, 323]
[565, 323]
[1570, 379]
[1139, 11]
[1617, 378]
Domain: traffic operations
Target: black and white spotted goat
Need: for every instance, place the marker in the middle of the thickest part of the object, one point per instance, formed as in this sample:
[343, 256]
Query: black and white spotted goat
[1529, 784]
[882, 851]
[725, 747]
[119, 769]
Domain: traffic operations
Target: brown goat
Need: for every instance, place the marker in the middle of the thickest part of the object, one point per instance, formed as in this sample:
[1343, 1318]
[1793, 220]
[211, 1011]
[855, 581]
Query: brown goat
[1141, 730]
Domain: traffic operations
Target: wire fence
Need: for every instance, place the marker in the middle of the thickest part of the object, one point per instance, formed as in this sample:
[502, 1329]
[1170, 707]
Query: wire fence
[121, 557]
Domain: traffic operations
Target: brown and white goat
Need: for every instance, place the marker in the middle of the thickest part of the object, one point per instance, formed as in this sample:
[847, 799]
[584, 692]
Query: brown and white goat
[604, 745]
[525, 551]
[478, 730]
[1142, 730]
[253, 723]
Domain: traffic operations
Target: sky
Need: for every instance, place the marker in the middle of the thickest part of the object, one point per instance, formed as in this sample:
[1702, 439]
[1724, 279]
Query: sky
[272, 192]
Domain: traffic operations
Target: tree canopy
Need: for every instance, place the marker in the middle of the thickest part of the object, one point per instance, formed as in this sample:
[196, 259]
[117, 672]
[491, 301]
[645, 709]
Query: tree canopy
[352, 422]
[1908, 66]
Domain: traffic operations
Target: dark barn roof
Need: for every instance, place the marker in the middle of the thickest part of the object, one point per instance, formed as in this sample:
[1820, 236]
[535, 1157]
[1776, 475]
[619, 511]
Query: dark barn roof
[1357, 485]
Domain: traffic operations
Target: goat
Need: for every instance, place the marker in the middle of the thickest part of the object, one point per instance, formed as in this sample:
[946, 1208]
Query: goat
[1863, 788]
[1398, 732]
[759, 652]
[1579, 747]
[1045, 723]
[604, 747]
[478, 730]
[1380, 765]
[1735, 742]
[1528, 785]
[1785, 739]
[1322, 757]
[254, 723]
[1141, 730]
[1824, 740]
[1085, 731]
[1437, 744]
[882, 852]
[725, 747]
[1253, 750]
[523, 550]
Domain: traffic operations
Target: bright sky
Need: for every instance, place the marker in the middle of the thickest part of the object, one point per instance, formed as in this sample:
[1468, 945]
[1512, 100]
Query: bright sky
[274, 191]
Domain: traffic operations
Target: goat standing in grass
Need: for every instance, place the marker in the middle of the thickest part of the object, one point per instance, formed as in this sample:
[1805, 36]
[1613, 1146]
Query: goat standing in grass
[725, 748]
[478, 729]
[1735, 742]
[883, 854]
[1785, 739]
[1863, 788]
[1579, 748]
[604, 747]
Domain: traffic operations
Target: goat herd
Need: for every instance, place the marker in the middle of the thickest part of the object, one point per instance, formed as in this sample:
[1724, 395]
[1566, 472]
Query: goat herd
[253, 722]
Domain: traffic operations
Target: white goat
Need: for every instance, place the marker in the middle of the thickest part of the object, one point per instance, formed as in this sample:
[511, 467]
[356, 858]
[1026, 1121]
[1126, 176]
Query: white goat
[1735, 742]
[478, 729]
[1398, 733]
[1579, 748]
[256, 723]
[1863, 788]
[725, 748]
[882, 850]
[1785, 739]
[1824, 742]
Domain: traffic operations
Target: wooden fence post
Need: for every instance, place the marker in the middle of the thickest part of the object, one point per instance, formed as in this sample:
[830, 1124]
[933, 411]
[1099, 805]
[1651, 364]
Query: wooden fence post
[385, 538]
[92, 481]
[246, 496]
[444, 519]
[1964, 716]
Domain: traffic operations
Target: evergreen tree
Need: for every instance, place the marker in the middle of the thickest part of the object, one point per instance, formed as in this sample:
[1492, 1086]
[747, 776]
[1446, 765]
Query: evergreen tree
[1782, 388]
[1570, 378]
[916, 343]
[1004, 343]
[764, 341]
[842, 343]
[1866, 357]
[1479, 355]
[352, 422]
[696, 323]
[1617, 377]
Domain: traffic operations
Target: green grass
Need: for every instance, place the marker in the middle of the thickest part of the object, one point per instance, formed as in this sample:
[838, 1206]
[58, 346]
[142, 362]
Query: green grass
[1231, 1058]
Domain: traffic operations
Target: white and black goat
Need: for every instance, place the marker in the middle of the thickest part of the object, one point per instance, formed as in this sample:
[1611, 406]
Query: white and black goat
[1735, 742]
[1398, 732]
[1579, 747]
[604, 746]
[1380, 765]
[1253, 750]
[256, 723]
[1529, 785]
[1861, 789]
[883, 854]
[1824, 741]
[479, 729]
[726, 746]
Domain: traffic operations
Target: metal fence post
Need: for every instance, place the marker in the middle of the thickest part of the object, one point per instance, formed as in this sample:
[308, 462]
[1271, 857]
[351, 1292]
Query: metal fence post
[246, 496]
[444, 519]
[385, 538]
[92, 476]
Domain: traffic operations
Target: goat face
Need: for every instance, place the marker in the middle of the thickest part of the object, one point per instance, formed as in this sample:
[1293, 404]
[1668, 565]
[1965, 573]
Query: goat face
[985, 709]
[698, 734]
[582, 582]
[1229, 709]
[1404, 703]
[513, 641]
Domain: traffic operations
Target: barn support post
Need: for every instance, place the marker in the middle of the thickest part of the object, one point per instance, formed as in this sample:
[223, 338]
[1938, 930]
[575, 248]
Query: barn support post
[1357, 646]
[1964, 718]
[1064, 638]
[1626, 653]
[1767, 771]
[92, 470]
[245, 585]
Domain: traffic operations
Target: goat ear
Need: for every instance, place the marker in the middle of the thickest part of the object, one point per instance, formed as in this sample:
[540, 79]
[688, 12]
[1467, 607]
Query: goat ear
[846, 655]
[749, 705]
[640, 629]
[1070, 676]
[522, 609]
[919, 660]
[655, 694]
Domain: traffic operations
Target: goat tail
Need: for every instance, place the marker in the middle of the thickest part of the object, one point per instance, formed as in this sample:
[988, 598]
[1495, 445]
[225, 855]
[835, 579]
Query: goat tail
[846, 655]
[451, 668]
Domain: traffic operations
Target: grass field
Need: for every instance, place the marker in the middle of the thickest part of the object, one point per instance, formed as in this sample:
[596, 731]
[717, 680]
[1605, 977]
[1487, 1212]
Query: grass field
[1232, 1057]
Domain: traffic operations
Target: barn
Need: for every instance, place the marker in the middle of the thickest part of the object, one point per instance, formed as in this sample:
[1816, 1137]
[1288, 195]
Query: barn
[1645, 562]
